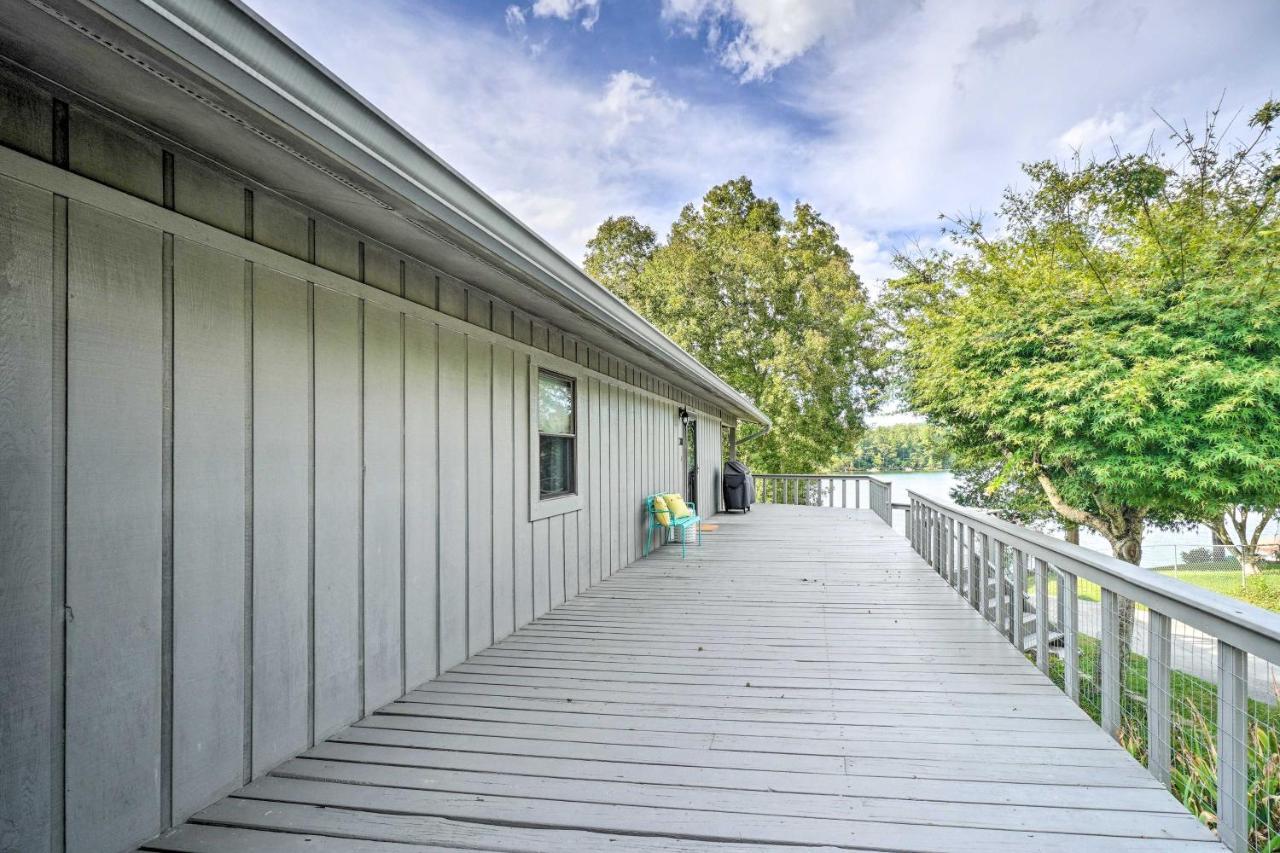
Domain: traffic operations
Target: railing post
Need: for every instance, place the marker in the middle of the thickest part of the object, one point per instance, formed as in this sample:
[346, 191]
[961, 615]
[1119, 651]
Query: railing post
[948, 541]
[844, 493]
[1042, 616]
[1017, 617]
[1111, 685]
[978, 543]
[975, 568]
[1070, 639]
[1159, 657]
[1233, 747]
[997, 572]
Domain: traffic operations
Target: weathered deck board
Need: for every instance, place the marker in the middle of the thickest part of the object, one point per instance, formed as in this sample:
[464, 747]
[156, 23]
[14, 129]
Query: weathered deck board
[801, 680]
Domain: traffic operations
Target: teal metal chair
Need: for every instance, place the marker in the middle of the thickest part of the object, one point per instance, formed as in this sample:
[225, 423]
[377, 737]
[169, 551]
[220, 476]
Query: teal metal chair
[681, 524]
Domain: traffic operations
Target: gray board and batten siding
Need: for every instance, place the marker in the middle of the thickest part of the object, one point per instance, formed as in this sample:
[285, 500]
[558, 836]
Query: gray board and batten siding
[260, 475]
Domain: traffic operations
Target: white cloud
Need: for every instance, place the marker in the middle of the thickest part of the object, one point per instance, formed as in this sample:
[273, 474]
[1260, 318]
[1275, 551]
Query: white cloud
[565, 10]
[629, 100]
[883, 120]
[559, 150]
[766, 34]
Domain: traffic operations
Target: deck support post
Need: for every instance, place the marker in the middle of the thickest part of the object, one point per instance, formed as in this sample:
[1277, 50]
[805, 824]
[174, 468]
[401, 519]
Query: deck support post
[1042, 616]
[1159, 657]
[1233, 747]
[1069, 594]
[1110, 630]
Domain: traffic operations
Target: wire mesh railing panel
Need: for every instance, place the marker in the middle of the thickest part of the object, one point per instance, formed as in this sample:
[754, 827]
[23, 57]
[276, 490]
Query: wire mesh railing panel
[1185, 680]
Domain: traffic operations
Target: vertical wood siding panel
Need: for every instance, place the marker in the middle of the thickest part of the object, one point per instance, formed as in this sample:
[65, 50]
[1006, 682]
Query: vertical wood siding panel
[421, 571]
[597, 490]
[382, 268]
[572, 579]
[208, 525]
[338, 644]
[620, 489]
[337, 248]
[383, 422]
[479, 528]
[113, 545]
[279, 225]
[556, 558]
[453, 298]
[26, 118]
[115, 157]
[584, 514]
[541, 590]
[453, 498]
[281, 516]
[207, 195]
[503, 485]
[26, 505]
[523, 545]
[419, 283]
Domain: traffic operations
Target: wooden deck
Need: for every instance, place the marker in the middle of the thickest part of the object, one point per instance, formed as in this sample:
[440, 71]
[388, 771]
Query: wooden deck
[801, 681]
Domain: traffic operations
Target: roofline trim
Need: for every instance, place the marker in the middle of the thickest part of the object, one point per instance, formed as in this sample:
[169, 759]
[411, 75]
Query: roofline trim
[216, 39]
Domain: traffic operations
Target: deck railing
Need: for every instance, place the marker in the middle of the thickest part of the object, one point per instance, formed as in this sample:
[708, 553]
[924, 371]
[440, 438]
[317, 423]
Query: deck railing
[1185, 678]
[843, 491]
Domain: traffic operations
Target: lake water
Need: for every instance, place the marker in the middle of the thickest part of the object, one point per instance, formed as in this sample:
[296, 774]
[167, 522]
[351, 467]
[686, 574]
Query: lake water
[1159, 547]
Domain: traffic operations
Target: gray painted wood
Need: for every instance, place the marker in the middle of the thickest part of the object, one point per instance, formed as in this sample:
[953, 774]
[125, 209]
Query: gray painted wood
[523, 541]
[541, 551]
[479, 506]
[421, 502]
[382, 267]
[383, 427]
[280, 225]
[338, 651]
[114, 387]
[266, 650]
[281, 517]
[556, 559]
[115, 157]
[208, 525]
[337, 248]
[420, 283]
[203, 193]
[784, 709]
[26, 117]
[453, 497]
[503, 471]
[27, 665]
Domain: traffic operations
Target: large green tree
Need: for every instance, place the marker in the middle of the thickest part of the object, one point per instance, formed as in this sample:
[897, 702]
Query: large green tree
[769, 302]
[1116, 338]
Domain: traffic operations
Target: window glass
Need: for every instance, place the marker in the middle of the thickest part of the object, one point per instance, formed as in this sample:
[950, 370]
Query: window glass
[555, 404]
[556, 435]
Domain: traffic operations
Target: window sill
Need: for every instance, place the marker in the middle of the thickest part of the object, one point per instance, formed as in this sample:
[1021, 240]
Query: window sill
[539, 509]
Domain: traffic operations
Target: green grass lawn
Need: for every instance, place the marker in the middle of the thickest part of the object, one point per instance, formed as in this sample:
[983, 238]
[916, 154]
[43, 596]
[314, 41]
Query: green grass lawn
[1262, 590]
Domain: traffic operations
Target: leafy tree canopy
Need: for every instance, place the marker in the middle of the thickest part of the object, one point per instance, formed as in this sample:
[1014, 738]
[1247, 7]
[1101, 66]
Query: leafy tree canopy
[1115, 339]
[897, 447]
[770, 303]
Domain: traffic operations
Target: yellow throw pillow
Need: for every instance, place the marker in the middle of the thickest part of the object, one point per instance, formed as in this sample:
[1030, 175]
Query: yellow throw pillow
[679, 509]
[660, 510]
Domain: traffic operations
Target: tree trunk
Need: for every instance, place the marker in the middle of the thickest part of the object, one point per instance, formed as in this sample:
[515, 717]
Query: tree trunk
[1071, 532]
[1129, 549]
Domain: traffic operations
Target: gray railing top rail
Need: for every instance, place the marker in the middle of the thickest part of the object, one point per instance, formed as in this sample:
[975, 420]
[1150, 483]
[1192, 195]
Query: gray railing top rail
[1244, 626]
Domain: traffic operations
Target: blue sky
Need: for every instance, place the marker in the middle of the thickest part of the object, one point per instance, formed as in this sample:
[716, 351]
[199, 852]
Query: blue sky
[882, 114]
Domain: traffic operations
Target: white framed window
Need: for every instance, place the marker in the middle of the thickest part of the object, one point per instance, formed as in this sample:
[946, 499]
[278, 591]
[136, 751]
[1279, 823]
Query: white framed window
[555, 458]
